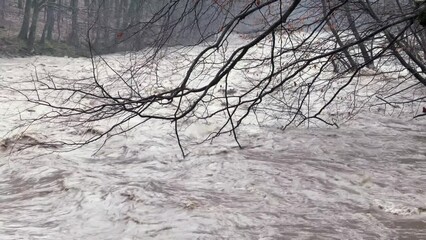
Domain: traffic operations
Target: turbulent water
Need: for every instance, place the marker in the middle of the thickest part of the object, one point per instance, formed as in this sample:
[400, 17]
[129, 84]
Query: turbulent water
[365, 180]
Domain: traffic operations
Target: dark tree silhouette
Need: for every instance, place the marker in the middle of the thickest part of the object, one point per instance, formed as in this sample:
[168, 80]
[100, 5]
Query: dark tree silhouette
[23, 33]
[50, 22]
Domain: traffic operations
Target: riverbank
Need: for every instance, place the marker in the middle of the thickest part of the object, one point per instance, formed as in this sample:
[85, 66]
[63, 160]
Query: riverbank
[12, 46]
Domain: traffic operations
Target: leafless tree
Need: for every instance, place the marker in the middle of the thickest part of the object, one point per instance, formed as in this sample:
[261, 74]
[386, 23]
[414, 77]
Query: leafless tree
[300, 58]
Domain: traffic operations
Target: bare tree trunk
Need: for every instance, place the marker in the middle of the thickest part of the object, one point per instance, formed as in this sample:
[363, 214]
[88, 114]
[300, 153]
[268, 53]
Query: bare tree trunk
[59, 19]
[101, 15]
[74, 24]
[348, 56]
[392, 39]
[50, 22]
[31, 37]
[107, 9]
[357, 36]
[23, 33]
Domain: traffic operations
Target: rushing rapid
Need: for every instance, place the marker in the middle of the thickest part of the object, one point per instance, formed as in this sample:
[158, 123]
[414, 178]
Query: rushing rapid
[364, 180]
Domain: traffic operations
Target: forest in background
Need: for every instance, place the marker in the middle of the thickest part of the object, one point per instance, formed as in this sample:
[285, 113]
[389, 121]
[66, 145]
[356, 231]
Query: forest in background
[65, 27]
[72, 27]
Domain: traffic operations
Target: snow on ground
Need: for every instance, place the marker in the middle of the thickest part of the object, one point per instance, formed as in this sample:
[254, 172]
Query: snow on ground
[365, 180]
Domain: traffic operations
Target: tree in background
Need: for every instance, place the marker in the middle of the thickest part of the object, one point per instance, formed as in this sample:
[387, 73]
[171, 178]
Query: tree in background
[50, 22]
[38, 5]
[74, 23]
[23, 33]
